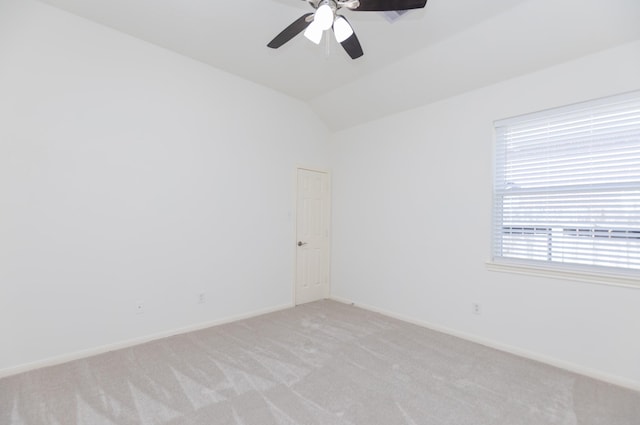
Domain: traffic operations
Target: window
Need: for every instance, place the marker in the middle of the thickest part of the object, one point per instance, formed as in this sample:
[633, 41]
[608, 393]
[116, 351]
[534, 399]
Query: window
[567, 188]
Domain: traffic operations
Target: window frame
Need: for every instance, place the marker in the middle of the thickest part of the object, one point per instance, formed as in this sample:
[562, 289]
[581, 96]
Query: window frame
[627, 277]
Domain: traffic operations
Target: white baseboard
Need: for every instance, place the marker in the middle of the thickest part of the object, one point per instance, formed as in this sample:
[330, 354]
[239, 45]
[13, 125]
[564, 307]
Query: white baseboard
[569, 366]
[53, 361]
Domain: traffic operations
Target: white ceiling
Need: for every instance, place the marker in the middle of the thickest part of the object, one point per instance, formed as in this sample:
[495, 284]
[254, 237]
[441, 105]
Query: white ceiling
[447, 48]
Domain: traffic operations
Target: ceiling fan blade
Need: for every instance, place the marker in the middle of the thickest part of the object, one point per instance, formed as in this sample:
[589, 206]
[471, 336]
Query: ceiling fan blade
[291, 31]
[352, 45]
[384, 5]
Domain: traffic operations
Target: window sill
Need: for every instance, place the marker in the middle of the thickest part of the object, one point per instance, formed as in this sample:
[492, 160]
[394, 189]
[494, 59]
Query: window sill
[627, 281]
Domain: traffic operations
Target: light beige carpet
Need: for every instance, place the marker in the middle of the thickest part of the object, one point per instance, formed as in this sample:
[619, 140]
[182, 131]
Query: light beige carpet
[320, 363]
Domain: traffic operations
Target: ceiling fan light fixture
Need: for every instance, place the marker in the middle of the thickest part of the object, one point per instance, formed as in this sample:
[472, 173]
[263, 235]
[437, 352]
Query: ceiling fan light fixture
[342, 29]
[324, 17]
[313, 33]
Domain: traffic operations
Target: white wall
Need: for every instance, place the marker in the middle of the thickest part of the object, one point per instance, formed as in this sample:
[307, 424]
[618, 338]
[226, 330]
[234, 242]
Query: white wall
[130, 173]
[411, 225]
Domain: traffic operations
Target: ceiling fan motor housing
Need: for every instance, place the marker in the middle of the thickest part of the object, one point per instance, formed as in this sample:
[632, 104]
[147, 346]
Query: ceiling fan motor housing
[336, 4]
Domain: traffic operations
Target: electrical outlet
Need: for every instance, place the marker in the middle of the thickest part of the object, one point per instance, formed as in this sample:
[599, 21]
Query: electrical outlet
[139, 307]
[476, 308]
[202, 298]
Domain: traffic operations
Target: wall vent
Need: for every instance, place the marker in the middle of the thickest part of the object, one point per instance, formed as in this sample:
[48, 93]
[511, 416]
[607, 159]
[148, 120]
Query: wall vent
[393, 15]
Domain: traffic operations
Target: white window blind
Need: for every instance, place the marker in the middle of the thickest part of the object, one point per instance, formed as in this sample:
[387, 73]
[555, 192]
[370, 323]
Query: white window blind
[567, 187]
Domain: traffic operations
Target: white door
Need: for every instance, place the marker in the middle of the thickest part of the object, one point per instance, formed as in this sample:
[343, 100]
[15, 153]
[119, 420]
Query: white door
[312, 232]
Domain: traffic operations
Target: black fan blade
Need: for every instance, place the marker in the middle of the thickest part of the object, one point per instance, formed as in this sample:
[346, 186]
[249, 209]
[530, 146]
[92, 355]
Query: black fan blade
[352, 45]
[383, 5]
[291, 31]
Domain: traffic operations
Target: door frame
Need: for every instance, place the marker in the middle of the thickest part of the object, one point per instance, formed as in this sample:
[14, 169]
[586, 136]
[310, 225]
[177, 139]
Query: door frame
[294, 216]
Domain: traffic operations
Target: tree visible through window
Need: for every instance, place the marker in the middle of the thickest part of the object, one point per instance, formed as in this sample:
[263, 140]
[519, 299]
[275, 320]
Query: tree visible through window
[567, 186]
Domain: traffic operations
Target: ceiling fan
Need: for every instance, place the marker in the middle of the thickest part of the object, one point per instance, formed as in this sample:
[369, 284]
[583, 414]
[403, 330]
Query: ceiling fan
[326, 17]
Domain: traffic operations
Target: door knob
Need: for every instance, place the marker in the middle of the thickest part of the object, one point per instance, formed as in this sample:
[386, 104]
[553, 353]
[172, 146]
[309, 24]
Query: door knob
[300, 243]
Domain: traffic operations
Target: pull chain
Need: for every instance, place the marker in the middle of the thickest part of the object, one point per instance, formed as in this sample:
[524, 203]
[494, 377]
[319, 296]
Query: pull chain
[327, 44]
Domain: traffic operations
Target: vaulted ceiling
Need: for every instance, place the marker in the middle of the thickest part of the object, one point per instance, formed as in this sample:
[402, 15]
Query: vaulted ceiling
[447, 48]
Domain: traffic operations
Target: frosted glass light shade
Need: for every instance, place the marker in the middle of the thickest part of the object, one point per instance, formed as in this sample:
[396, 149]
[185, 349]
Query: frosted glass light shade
[313, 33]
[324, 17]
[342, 29]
